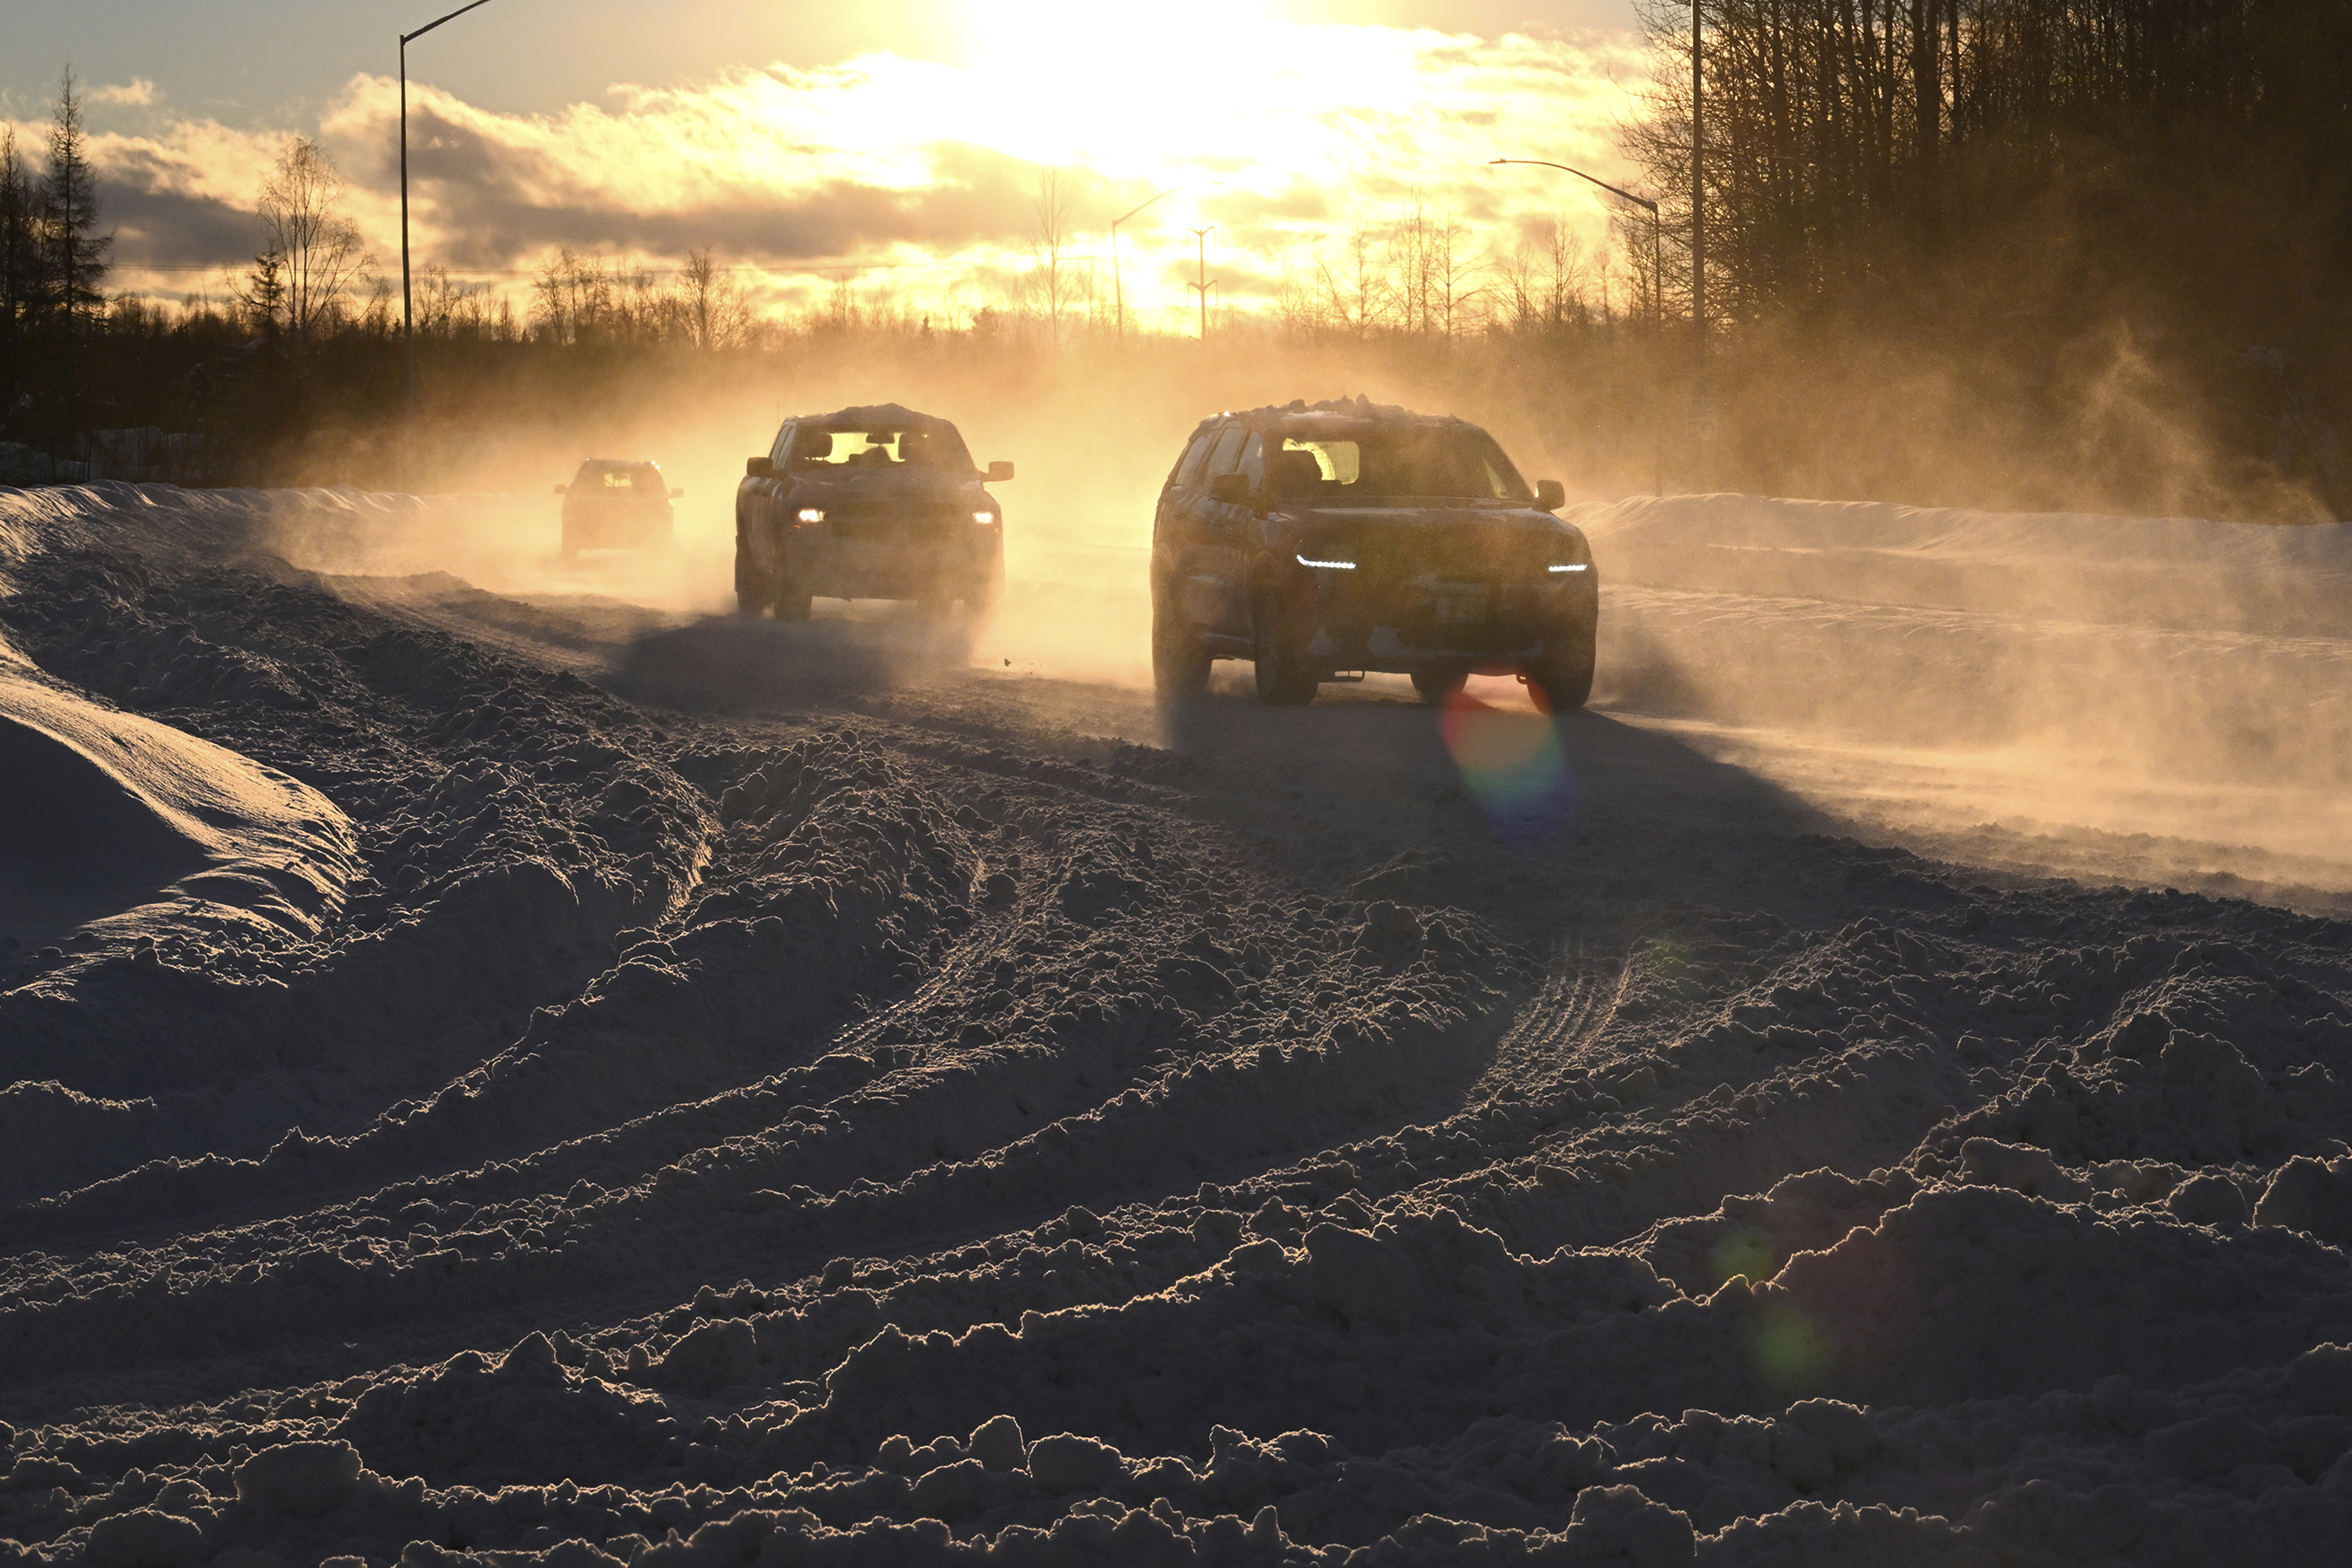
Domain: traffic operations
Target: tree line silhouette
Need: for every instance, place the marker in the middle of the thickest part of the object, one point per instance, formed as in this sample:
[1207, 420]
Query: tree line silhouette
[2068, 204]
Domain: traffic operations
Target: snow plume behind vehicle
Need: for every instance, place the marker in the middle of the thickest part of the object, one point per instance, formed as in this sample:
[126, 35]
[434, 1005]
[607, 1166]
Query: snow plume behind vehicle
[2170, 677]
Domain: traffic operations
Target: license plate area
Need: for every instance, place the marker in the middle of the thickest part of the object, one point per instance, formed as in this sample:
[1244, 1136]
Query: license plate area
[1460, 605]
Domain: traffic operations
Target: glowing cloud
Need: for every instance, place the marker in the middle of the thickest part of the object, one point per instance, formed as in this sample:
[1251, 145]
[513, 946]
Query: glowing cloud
[882, 160]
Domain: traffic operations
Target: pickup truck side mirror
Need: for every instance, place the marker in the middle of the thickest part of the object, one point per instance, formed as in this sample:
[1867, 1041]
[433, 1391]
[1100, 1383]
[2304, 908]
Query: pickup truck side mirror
[563, 490]
[1232, 489]
[760, 468]
[999, 473]
[1551, 494]
[676, 493]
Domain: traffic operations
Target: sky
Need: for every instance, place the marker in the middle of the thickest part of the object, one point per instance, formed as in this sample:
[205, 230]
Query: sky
[898, 142]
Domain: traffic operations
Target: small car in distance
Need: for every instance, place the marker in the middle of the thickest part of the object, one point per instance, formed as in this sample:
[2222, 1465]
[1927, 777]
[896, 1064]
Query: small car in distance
[1318, 542]
[876, 503]
[615, 505]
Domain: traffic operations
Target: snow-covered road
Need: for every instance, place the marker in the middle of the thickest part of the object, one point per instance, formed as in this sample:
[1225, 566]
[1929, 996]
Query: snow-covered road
[844, 1093]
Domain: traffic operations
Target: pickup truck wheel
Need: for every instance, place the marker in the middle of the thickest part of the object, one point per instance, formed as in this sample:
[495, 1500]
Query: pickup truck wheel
[1179, 665]
[753, 592]
[1283, 681]
[980, 599]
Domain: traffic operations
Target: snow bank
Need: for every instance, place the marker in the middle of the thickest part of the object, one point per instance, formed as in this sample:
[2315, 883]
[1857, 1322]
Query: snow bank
[2177, 572]
[2183, 647]
[112, 800]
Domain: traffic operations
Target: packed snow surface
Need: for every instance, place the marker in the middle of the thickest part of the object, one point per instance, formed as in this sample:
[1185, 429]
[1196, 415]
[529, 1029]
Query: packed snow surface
[700, 1091]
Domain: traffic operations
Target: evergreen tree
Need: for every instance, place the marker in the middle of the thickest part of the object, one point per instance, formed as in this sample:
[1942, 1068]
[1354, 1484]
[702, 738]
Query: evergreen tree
[263, 293]
[72, 254]
[74, 251]
[18, 273]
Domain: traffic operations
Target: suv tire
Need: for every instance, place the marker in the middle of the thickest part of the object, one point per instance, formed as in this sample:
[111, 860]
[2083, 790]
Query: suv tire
[1179, 665]
[1562, 674]
[792, 605]
[1438, 686]
[1283, 681]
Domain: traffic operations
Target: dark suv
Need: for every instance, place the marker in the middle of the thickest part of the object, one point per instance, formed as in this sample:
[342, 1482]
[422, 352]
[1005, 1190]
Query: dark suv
[613, 505]
[867, 504]
[1342, 538]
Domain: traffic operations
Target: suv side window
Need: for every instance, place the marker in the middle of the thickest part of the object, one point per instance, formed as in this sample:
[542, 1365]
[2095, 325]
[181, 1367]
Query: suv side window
[1253, 462]
[1188, 469]
[781, 453]
[1228, 454]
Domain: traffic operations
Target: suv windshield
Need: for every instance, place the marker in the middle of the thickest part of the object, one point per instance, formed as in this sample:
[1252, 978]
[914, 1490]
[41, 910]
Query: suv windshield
[1412, 461]
[617, 479]
[880, 448]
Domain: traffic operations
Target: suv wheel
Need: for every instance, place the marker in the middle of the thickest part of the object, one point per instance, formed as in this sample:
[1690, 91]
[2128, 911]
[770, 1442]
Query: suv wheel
[1437, 686]
[792, 605]
[1283, 679]
[1562, 676]
[1179, 665]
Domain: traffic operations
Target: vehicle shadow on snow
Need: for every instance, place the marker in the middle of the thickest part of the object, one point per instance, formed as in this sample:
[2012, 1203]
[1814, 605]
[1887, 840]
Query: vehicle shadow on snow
[734, 664]
[1487, 806]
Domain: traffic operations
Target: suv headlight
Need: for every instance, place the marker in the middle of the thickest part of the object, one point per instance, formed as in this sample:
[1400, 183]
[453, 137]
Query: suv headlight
[1327, 563]
[1570, 566]
[812, 514]
[983, 518]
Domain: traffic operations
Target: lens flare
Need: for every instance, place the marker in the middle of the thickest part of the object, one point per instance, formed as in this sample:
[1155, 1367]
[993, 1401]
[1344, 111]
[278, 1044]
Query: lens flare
[1791, 1351]
[1745, 1254]
[1513, 764]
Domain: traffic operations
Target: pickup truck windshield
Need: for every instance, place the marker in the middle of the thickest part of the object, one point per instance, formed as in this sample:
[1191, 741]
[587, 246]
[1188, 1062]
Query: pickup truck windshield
[1454, 464]
[880, 449]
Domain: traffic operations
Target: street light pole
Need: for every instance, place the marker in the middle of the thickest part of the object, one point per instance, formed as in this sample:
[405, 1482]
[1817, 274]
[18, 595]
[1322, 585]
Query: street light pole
[1657, 284]
[1200, 236]
[1657, 278]
[1119, 291]
[407, 307]
[1698, 199]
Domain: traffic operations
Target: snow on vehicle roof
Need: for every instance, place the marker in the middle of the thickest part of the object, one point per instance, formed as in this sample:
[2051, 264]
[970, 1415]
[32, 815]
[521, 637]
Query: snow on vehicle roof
[1354, 412]
[871, 417]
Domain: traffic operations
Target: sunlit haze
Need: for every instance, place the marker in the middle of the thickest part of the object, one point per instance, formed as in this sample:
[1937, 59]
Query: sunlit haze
[901, 148]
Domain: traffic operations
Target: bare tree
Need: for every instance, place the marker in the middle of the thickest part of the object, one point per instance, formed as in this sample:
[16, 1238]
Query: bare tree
[1356, 287]
[1455, 291]
[318, 243]
[1409, 263]
[715, 316]
[1053, 277]
[436, 301]
[572, 297]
